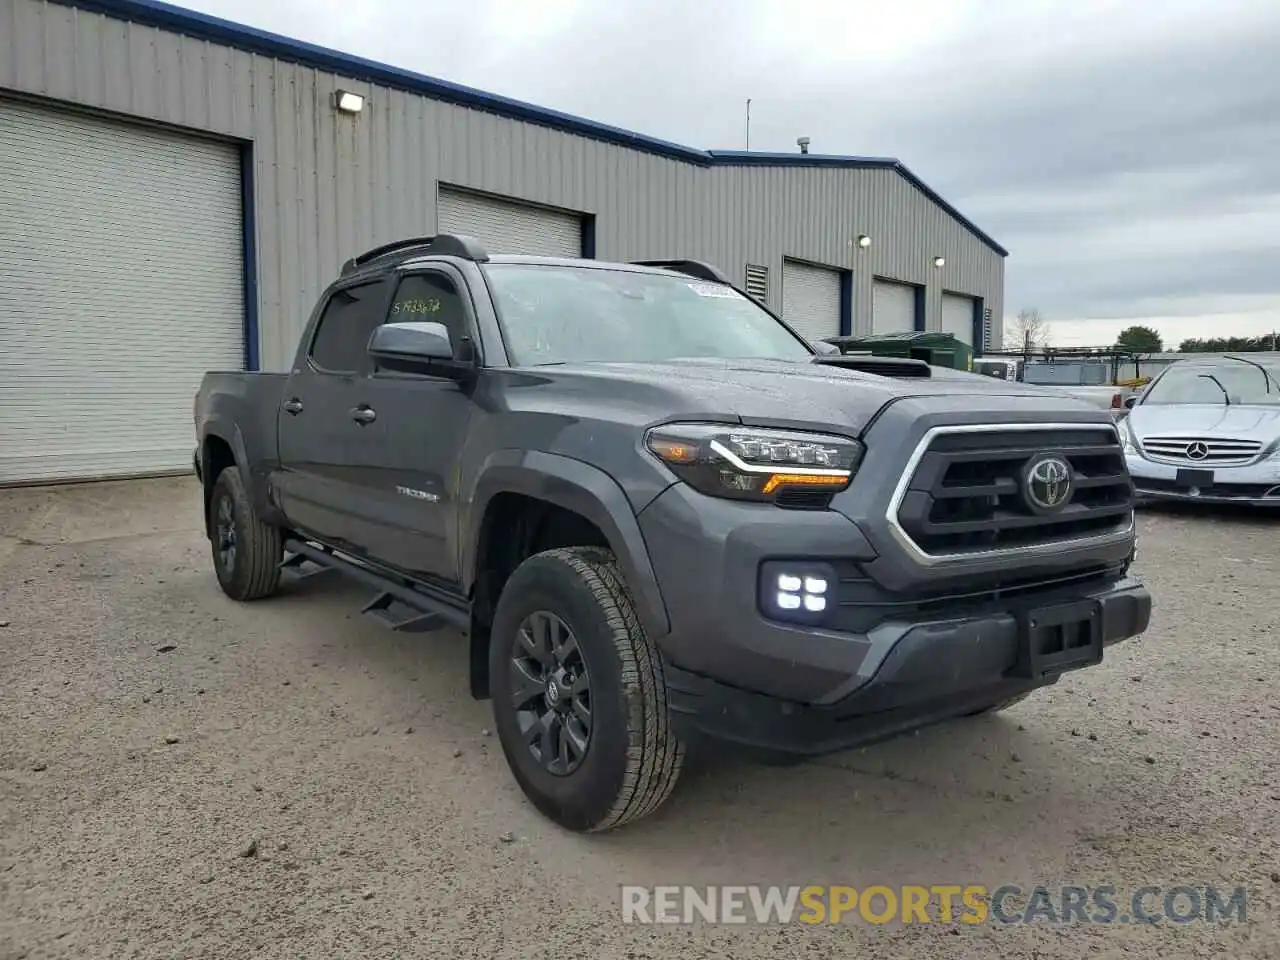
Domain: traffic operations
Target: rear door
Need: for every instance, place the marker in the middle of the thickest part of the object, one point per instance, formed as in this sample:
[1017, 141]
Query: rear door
[409, 498]
[323, 447]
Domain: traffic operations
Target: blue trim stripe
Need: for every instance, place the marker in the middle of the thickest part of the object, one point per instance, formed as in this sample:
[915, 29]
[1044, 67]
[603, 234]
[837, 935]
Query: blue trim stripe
[216, 30]
[249, 247]
[922, 323]
[979, 326]
[846, 303]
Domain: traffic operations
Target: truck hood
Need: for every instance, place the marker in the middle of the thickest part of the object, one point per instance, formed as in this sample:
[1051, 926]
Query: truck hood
[766, 391]
[1237, 422]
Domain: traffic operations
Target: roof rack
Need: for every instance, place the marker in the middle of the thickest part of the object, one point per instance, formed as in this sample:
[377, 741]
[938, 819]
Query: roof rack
[692, 268]
[444, 244]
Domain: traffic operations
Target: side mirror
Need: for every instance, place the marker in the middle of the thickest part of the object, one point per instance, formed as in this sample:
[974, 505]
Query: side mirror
[823, 348]
[418, 348]
[1131, 402]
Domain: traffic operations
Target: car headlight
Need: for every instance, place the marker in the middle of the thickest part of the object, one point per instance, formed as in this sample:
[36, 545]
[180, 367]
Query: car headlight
[749, 463]
[1126, 437]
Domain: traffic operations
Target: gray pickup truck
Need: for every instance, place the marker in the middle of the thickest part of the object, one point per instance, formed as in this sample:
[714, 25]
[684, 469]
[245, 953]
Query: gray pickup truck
[662, 518]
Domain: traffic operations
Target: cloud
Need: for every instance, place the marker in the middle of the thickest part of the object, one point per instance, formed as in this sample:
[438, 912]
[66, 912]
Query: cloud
[1124, 153]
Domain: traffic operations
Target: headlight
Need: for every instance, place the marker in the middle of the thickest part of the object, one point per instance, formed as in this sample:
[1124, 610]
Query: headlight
[748, 463]
[1126, 437]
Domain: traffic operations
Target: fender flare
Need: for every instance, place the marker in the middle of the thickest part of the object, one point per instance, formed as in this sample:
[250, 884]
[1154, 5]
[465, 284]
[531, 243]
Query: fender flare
[228, 431]
[584, 489]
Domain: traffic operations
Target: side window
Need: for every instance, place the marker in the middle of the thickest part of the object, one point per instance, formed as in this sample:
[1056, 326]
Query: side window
[349, 318]
[430, 298]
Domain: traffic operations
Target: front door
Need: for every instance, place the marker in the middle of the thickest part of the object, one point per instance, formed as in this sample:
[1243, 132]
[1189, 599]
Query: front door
[409, 501]
[324, 446]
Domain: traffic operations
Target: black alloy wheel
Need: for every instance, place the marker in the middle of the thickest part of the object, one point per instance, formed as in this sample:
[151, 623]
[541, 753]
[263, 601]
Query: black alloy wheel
[224, 533]
[246, 551]
[551, 693]
[579, 696]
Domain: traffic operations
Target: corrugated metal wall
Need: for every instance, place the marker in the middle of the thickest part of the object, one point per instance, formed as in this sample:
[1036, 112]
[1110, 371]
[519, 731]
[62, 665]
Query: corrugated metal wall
[330, 185]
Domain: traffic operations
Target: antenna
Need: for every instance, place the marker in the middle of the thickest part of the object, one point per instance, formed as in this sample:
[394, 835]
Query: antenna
[748, 147]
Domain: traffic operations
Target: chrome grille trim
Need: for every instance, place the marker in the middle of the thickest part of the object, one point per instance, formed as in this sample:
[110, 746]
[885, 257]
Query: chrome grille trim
[1219, 451]
[925, 558]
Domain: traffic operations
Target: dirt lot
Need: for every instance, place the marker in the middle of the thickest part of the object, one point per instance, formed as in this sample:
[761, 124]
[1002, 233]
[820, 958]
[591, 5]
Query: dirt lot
[151, 730]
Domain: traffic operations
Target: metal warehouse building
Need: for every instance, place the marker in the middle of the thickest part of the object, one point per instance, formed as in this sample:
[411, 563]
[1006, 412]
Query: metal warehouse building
[176, 190]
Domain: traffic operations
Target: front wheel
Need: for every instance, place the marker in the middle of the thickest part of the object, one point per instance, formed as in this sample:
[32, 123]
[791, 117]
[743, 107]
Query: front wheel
[579, 698]
[246, 551]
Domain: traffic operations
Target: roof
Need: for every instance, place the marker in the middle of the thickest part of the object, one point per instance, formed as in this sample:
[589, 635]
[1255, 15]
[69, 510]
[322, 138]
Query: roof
[216, 30]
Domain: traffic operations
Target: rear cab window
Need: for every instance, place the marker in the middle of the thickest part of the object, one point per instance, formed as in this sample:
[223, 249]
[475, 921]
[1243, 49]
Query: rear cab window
[341, 341]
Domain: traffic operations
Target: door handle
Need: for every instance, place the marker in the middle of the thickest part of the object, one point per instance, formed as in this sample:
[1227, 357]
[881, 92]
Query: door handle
[293, 406]
[363, 415]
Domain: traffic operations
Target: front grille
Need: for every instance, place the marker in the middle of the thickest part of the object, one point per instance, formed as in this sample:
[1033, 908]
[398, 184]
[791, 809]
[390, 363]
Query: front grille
[969, 494]
[1201, 450]
[862, 603]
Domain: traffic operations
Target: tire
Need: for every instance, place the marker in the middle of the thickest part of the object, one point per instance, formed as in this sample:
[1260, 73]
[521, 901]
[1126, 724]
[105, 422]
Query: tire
[1001, 705]
[251, 569]
[631, 760]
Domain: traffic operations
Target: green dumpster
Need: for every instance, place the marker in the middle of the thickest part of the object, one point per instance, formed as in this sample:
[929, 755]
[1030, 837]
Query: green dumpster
[935, 349]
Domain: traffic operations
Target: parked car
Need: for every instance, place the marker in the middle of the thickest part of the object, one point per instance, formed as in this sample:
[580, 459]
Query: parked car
[1207, 430]
[661, 518]
[1112, 397]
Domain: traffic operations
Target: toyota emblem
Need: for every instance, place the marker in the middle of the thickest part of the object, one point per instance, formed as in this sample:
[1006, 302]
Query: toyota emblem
[1047, 483]
[1197, 450]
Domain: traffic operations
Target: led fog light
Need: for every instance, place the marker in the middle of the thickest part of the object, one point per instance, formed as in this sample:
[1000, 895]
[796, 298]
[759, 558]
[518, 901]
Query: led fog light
[797, 591]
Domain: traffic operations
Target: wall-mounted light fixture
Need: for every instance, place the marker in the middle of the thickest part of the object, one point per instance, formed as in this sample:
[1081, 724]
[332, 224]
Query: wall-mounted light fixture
[864, 241]
[939, 261]
[347, 102]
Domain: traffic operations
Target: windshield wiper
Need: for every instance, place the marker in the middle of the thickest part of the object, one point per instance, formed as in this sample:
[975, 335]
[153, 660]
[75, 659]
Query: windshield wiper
[1266, 374]
[1226, 397]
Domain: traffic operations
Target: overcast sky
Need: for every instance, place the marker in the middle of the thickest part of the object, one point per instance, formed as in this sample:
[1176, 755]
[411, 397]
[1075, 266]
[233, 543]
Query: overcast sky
[1126, 152]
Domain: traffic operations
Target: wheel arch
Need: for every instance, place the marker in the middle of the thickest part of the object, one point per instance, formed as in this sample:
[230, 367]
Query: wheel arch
[566, 488]
[222, 447]
[581, 489]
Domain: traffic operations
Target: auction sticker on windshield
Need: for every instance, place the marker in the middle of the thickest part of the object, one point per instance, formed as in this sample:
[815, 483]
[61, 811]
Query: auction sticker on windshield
[715, 290]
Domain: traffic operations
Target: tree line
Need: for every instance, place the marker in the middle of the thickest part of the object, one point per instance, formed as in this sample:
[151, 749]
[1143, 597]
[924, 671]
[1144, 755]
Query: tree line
[1030, 332]
[1229, 344]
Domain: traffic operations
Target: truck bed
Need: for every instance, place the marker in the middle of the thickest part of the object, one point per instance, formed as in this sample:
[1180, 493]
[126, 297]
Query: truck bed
[247, 404]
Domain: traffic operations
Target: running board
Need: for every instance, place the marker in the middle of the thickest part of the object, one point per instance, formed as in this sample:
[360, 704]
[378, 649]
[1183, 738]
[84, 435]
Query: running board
[400, 603]
[389, 611]
[298, 567]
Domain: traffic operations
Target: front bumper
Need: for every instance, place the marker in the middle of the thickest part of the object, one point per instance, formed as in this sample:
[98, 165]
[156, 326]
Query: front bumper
[911, 674]
[902, 645]
[1256, 484]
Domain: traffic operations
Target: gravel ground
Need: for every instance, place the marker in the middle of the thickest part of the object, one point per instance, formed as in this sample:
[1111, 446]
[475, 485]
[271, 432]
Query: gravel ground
[182, 776]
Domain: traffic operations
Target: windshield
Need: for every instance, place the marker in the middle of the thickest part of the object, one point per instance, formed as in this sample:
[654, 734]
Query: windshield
[1230, 381]
[565, 314]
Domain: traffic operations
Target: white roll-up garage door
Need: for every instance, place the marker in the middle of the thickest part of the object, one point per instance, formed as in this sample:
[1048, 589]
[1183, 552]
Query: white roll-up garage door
[509, 227]
[121, 283]
[957, 317]
[811, 299]
[893, 307]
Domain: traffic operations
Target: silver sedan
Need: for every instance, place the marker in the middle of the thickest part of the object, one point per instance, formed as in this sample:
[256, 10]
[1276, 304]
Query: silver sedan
[1207, 430]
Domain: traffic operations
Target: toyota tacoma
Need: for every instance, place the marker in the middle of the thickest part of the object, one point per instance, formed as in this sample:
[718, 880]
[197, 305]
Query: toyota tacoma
[662, 518]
